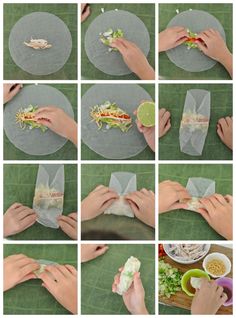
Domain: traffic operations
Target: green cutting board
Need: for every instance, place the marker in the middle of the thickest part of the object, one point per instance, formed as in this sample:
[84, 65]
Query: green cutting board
[117, 226]
[66, 12]
[146, 12]
[223, 12]
[172, 97]
[30, 298]
[97, 278]
[19, 186]
[67, 152]
[146, 154]
[188, 225]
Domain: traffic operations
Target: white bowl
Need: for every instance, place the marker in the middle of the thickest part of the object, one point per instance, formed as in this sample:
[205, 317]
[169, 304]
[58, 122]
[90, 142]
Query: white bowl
[166, 249]
[221, 257]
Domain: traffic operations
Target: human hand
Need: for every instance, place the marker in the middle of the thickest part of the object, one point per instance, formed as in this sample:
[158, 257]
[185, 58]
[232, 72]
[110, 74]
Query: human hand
[170, 196]
[84, 11]
[225, 131]
[17, 219]
[91, 251]
[134, 58]
[10, 91]
[215, 47]
[218, 212]
[17, 269]
[58, 121]
[97, 202]
[61, 282]
[143, 205]
[148, 133]
[164, 122]
[208, 299]
[134, 298]
[68, 224]
[172, 37]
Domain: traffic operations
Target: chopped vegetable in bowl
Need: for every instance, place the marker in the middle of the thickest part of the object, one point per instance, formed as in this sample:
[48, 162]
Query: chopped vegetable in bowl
[111, 115]
[26, 118]
[169, 279]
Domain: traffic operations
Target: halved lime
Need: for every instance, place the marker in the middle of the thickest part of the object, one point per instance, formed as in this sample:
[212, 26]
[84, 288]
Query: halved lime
[146, 113]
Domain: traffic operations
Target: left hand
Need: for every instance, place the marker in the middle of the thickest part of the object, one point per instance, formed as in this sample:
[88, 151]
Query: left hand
[143, 205]
[91, 251]
[61, 282]
[84, 11]
[17, 219]
[172, 37]
[10, 91]
[134, 298]
[68, 224]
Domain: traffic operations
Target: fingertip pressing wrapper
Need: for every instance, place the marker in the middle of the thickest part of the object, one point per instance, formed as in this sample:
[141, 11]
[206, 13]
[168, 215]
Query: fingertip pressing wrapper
[49, 194]
[198, 188]
[43, 263]
[195, 121]
[122, 183]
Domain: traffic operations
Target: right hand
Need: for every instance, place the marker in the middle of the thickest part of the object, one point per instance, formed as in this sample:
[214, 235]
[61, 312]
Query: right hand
[97, 202]
[214, 45]
[172, 37]
[218, 212]
[68, 224]
[143, 205]
[134, 58]
[17, 219]
[134, 298]
[18, 269]
[61, 282]
[170, 196]
[91, 251]
[208, 299]
[164, 122]
[58, 121]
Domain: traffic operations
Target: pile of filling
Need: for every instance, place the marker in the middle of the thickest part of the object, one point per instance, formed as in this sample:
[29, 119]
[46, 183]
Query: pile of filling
[46, 197]
[191, 40]
[194, 121]
[169, 279]
[26, 118]
[112, 115]
[108, 36]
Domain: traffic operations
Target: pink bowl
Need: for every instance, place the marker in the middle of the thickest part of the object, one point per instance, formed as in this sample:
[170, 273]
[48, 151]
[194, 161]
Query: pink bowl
[227, 284]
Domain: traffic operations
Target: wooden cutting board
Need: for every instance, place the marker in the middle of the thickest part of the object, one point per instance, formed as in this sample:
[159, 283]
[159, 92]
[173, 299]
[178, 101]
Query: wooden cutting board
[180, 299]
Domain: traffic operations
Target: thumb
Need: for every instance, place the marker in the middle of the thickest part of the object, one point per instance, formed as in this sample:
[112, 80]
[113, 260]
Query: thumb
[101, 251]
[138, 286]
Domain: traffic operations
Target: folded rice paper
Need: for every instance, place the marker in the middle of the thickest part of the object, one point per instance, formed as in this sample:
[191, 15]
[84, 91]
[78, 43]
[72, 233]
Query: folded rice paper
[132, 266]
[199, 188]
[195, 121]
[43, 263]
[123, 183]
[49, 194]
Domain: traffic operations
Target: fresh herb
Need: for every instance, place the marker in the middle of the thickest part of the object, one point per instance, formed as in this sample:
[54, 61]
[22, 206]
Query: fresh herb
[169, 279]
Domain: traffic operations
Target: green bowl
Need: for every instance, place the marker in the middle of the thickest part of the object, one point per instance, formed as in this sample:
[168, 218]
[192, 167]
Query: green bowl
[187, 276]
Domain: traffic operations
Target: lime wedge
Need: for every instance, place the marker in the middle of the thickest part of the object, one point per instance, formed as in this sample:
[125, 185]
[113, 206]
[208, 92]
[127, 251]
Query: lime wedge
[146, 114]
